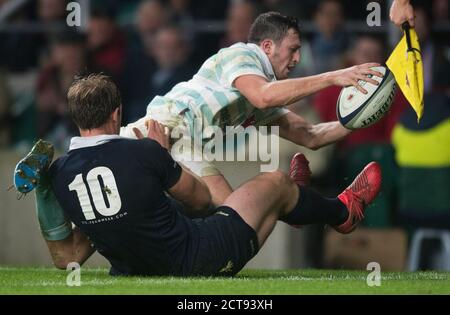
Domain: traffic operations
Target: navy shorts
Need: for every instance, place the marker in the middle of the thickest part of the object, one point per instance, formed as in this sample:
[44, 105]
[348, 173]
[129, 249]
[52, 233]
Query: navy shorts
[226, 244]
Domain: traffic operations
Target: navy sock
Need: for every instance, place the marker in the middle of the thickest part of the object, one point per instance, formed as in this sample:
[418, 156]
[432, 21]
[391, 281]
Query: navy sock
[312, 208]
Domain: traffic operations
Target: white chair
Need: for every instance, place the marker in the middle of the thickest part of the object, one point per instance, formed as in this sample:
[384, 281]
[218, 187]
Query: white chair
[416, 247]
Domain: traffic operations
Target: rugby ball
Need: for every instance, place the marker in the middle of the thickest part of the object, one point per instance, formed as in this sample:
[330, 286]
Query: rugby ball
[357, 110]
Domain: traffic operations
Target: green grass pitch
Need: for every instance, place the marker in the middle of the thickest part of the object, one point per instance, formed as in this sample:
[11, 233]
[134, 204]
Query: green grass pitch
[28, 280]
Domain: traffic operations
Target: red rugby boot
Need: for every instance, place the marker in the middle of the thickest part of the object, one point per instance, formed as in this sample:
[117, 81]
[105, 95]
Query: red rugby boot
[359, 195]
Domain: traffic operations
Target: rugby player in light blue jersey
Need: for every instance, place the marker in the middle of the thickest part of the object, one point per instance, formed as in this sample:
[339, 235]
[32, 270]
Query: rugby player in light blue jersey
[247, 84]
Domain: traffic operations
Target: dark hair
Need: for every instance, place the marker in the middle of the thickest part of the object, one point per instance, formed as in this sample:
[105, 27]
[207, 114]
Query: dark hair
[92, 99]
[272, 25]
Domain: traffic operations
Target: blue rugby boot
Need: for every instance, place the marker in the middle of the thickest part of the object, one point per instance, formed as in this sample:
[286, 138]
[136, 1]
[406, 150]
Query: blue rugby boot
[28, 171]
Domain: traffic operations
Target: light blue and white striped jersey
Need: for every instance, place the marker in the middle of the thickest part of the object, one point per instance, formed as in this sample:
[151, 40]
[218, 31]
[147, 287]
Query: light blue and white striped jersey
[211, 95]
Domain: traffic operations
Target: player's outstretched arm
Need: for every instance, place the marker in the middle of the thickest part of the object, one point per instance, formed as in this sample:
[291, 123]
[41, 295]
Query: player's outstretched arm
[263, 94]
[75, 248]
[296, 129]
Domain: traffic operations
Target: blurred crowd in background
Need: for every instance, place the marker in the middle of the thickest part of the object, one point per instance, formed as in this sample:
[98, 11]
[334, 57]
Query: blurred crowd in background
[148, 46]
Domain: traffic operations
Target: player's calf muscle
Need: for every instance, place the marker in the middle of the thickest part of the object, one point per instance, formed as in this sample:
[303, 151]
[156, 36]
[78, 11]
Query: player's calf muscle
[75, 248]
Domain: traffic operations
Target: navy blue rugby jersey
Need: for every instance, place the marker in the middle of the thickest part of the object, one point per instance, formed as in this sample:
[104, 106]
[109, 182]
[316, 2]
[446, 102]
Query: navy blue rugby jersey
[113, 189]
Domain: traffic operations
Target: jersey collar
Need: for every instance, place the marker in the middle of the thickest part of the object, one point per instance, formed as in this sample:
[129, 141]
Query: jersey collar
[266, 62]
[84, 142]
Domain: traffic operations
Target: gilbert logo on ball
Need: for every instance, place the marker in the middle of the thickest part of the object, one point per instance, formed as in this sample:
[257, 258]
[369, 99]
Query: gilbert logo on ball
[357, 110]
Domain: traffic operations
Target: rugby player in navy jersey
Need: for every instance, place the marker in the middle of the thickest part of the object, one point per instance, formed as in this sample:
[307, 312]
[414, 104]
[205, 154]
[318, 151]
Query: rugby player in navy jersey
[117, 191]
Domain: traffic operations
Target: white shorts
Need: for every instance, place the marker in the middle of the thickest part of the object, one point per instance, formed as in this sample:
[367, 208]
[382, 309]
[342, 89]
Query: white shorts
[171, 118]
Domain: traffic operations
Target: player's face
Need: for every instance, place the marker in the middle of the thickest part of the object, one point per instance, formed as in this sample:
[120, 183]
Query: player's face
[285, 55]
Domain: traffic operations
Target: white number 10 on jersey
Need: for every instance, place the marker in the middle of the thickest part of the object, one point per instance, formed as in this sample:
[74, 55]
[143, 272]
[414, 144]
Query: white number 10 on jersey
[98, 192]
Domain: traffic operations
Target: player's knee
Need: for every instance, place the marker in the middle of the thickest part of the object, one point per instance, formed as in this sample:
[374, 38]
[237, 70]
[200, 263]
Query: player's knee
[278, 178]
